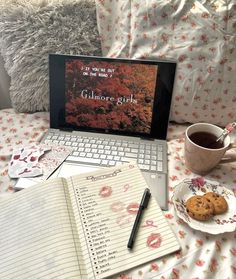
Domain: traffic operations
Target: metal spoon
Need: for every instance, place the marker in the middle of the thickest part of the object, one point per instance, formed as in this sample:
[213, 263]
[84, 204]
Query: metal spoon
[228, 129]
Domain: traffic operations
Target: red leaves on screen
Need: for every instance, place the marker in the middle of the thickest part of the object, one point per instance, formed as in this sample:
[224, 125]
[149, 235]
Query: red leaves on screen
[113, 96]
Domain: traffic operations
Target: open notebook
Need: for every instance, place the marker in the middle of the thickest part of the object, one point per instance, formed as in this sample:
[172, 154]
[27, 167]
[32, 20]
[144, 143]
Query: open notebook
[79, 227]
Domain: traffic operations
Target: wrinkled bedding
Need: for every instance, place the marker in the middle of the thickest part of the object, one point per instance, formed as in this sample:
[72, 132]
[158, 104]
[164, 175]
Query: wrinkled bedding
[202, 255]
[199, 35]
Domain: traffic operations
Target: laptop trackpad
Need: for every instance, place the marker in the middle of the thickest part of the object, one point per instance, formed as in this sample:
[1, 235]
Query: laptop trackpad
[157, 185]
[69, 169]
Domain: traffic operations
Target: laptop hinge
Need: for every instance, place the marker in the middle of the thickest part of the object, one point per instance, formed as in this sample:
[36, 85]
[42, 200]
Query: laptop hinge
[151, 139]
[66, 130]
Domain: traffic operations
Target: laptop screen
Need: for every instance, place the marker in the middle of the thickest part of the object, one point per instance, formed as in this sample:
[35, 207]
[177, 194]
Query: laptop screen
[109, 95]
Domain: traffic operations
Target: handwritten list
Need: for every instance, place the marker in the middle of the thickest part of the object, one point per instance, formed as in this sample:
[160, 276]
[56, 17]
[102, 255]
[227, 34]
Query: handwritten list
[105, 206]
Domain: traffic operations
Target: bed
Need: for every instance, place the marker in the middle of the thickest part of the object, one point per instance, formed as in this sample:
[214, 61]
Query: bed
[202, 256]
[131, 28]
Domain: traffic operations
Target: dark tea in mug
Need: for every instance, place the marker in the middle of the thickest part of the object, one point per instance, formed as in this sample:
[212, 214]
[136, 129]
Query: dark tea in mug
[206, 140]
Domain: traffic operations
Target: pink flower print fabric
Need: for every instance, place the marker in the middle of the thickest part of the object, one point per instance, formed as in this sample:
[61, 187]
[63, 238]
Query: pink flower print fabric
[199, 36]
[201, 256]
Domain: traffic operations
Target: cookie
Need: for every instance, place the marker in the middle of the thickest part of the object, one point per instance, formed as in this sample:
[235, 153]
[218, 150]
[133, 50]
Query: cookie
[219, 202]
[199, 208]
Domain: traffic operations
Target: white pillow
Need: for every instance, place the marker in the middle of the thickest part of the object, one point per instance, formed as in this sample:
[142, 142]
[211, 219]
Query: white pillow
[200, 36]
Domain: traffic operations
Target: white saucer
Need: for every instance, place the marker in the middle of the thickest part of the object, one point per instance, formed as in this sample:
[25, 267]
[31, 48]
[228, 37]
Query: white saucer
[221, 223]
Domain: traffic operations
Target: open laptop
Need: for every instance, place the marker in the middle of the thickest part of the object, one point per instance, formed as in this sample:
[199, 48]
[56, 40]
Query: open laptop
[112, 111]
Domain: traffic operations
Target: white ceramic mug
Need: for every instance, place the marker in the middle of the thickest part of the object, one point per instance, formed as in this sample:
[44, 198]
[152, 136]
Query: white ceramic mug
[202, 160]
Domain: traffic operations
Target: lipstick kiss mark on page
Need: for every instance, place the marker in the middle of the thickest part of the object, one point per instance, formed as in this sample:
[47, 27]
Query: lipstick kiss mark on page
[117, 206]
[132, 208]
[105, 191]
[154, 240]
[123, 220]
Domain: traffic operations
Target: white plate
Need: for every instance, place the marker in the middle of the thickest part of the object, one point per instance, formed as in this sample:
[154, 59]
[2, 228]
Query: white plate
[199, 186]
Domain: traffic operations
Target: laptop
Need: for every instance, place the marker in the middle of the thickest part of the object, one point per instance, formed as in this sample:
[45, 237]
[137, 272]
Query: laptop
[112, 111]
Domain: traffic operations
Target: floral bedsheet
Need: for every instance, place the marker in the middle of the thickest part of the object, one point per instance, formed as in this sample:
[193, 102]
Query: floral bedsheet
[202, 255]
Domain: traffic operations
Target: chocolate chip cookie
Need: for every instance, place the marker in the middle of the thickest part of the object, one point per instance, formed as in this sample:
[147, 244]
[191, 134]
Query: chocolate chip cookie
[199, 208]
[218, 201]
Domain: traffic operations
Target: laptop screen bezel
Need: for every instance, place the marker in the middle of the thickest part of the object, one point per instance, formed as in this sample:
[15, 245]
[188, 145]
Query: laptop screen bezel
[162, 101]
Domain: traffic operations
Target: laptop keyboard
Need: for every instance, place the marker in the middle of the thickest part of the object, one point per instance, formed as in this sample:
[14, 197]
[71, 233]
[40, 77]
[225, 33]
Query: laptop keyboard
[110, 152]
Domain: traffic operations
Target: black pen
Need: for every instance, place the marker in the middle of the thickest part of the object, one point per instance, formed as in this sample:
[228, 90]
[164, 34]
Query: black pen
[142, 206]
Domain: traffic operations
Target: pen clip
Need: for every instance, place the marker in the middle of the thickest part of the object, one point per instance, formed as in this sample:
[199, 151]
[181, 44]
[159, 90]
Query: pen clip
[145, 198]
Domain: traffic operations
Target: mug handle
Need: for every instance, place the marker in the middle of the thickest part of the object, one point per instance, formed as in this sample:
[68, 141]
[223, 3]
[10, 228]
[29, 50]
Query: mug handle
[229, 158]
[232, 145]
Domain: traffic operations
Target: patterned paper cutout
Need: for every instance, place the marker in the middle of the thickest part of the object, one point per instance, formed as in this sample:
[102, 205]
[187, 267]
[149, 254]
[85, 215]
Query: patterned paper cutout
[25, 161]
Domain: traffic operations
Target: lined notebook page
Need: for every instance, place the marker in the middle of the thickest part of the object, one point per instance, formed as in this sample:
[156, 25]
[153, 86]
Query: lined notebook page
[105, 205]
[36, 237]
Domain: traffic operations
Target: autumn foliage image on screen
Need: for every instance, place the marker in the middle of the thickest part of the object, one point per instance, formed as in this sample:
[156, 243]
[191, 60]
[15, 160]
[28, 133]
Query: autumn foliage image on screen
[114, 96]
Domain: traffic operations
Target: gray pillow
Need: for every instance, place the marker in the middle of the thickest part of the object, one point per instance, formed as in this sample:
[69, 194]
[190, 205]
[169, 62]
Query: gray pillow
[30, 30]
